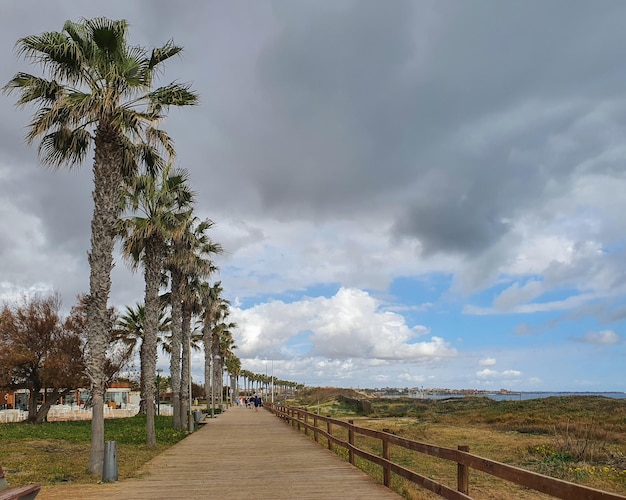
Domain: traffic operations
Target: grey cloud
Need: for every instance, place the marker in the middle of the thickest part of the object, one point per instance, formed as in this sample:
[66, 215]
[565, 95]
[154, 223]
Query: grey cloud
[317, 111]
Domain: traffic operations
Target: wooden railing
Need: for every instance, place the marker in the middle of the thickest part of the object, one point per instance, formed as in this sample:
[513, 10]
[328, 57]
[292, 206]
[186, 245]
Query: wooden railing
[322, 427]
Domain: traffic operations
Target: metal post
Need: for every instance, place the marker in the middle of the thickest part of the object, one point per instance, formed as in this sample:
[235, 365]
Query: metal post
[109, 467]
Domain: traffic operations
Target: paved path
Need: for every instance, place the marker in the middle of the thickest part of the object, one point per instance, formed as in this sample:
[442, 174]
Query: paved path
[241, 454]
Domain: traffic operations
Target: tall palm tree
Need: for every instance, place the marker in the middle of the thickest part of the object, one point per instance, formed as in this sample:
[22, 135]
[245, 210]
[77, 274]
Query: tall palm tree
[233, 367]
[225, 344]
[247, 378]
[162, 207]
[188, 257]
[212, 304]
[191, 307]
[98, 93]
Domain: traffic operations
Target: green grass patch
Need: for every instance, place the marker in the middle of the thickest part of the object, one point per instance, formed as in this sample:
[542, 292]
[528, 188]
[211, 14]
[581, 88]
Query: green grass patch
[58, 452]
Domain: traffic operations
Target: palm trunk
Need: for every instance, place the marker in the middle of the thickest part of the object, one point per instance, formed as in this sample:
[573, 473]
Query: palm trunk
[176, 346]
[152, 265]
[217, 370]
[233, 388]
[106, 195]
[206, 341]
[184, 378]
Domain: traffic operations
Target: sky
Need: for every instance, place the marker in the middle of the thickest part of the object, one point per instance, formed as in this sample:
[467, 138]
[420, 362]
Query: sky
[409, 193]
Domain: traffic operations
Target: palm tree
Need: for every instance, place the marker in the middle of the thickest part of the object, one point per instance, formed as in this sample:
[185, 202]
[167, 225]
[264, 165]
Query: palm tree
[191, 307]
[98, 92]
[130, 332]
[212, 305]
[225, 344]
[188, 257]
[162, 205]
[247, 379]
[233, 367]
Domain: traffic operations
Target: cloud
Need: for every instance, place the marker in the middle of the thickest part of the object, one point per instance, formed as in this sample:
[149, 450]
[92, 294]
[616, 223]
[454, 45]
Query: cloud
[376, 194]
[604, 337]
[487, 373]
[487, 362]
[516, 294]
[350, 324]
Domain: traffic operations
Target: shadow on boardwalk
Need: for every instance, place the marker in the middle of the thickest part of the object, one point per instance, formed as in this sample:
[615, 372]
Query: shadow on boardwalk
[240, 454]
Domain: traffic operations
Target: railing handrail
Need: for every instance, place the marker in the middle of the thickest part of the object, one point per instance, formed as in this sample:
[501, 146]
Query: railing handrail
[558, 488]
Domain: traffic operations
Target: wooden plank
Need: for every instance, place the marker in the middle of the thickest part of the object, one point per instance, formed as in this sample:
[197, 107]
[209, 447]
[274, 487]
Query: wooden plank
[27, 492]
[242, 454]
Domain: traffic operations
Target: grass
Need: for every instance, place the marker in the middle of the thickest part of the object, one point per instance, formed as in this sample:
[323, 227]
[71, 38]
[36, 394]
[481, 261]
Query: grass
[578, 439]
[58, 452]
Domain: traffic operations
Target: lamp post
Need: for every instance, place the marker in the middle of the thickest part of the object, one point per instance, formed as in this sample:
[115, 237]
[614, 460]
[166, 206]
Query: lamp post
[159, 370]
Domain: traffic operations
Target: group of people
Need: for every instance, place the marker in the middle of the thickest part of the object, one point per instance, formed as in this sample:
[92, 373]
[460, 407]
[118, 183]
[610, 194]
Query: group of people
[251, 402]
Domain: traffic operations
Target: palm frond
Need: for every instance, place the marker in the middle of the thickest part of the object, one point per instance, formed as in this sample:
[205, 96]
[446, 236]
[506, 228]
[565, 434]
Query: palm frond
[33, 88]
[174, 94]
[65, 146]
[161, 54]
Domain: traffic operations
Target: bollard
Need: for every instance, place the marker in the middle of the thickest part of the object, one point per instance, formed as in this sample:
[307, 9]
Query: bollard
[109, 468]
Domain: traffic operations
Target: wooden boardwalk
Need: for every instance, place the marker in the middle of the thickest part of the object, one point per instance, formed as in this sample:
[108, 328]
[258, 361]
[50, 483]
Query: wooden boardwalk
[240, 454]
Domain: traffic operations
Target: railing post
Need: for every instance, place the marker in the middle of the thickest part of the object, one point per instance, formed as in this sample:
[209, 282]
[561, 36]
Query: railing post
[462, 473]
[386, 469]
[306, 421]
[329, 430]
[351, 441]
[315, 427]
[299, 417]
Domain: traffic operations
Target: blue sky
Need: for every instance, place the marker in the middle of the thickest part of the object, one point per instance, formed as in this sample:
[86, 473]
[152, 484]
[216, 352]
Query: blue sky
[409, 193]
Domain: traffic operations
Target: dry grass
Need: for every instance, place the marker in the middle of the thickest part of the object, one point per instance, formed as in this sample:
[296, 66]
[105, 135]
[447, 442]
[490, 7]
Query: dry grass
[578, 439]
[58, 452]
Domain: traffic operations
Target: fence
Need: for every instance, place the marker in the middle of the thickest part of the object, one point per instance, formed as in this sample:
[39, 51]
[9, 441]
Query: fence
[323, 427]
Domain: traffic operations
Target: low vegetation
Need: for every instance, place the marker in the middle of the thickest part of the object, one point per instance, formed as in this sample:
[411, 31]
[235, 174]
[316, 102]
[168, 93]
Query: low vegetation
[578, 439]
[58, 452]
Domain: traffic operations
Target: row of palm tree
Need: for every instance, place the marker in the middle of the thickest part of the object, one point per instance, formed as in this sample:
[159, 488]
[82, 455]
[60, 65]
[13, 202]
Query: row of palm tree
[256, 382]
[98, 93]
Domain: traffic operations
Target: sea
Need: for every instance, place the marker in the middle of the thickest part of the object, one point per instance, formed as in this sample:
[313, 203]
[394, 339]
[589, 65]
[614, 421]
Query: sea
[521, 396]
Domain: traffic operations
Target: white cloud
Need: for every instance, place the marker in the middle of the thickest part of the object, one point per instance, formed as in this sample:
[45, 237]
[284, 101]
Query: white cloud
[492, 374]
[351, 324]
[486, 373]
[604, 337]
[487, 362]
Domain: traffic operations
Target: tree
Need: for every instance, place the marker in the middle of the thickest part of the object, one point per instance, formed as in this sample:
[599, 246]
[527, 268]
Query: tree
[223, 336]
[117, 356]
[129, 331]
[40, 353]
[188, 257]
[233, 367]
[162, 206]
[98, 92]
[212, 305]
